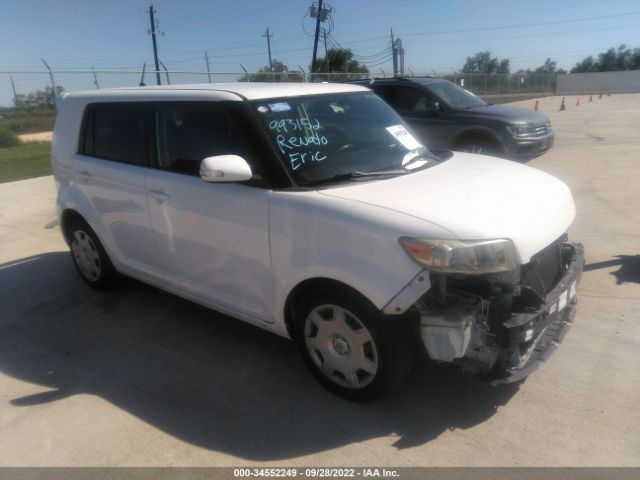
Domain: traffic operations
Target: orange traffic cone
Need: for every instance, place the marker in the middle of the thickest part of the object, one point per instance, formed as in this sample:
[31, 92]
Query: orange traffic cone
[578, 102]
[591, 98]
[535, 107]
[562, 107]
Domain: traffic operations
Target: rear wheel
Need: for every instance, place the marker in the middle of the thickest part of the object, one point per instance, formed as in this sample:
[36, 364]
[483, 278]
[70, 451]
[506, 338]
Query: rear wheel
[351, 347]
[89, 256]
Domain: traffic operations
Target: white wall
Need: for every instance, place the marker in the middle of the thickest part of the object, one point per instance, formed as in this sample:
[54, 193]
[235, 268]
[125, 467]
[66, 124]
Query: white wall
[593, 83]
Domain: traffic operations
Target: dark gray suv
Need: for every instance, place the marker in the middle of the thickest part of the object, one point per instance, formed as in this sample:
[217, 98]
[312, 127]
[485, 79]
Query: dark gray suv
[446, 116]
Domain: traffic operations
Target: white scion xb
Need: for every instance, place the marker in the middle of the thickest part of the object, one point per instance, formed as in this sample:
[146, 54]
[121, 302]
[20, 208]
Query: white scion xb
[311, 210]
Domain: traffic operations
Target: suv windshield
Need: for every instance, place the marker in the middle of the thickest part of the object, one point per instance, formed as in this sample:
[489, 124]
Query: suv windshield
[334, 137]
[455, 96]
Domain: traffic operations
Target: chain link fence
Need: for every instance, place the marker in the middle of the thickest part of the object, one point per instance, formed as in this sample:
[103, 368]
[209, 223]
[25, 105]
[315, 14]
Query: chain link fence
[27, 101]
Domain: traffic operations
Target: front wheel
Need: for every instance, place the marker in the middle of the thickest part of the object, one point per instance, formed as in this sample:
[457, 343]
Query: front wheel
[479, 145]
[350, 346]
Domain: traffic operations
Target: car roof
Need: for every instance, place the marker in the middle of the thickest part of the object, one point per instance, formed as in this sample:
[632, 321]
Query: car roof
[244, 90]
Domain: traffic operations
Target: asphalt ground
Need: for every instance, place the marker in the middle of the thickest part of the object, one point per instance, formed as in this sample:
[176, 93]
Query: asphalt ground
[138, 377]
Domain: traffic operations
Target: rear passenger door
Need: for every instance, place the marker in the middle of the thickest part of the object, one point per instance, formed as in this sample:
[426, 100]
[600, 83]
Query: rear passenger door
[213, 238]
[114, 155]
[412, 104]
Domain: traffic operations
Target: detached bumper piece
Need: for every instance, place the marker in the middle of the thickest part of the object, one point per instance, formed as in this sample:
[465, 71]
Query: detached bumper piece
[531, 337]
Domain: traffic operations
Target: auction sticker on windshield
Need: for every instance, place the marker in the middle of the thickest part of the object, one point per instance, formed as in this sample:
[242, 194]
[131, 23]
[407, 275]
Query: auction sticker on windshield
[404, 137]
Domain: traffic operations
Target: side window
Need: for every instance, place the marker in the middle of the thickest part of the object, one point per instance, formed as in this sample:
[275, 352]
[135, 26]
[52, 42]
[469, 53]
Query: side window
[118, 132]
[406, 99]
[190, 132]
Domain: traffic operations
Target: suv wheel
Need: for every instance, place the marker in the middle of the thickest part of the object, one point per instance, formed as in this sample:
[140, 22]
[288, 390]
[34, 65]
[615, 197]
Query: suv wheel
[479, 145]
[351, 347]
[89, 256]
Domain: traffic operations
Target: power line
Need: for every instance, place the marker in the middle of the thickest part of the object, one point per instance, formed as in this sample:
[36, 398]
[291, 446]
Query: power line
[206, 21]
[216, 13]
[546, 34]
[558, 22]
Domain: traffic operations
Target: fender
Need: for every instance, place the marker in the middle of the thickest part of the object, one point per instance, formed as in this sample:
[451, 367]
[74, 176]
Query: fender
[70, 198]
[471, 130]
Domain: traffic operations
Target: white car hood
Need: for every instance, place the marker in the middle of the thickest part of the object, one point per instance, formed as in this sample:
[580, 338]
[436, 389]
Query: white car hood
[476, 197]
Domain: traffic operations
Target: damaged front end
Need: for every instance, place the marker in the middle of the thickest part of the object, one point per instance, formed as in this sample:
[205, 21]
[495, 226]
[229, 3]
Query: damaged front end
[502, 324]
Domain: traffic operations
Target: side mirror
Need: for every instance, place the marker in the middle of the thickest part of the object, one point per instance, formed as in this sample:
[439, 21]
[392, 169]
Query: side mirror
[225, 168]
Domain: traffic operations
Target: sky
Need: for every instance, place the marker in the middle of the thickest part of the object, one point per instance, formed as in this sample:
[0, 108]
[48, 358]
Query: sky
[437, 35]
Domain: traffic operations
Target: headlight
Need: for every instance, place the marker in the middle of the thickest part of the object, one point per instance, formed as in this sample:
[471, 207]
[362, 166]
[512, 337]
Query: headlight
[523, 131]
[462, 256]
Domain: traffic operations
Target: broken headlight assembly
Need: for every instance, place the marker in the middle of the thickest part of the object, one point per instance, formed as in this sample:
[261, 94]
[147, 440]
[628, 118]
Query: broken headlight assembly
[472, 257]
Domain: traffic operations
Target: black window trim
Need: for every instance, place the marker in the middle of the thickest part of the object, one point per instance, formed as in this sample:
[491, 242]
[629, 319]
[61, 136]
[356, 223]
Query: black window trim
[275, 175]
[88, 123]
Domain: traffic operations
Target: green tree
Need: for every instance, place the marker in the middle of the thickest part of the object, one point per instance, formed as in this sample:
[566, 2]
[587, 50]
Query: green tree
[621, 58]
[39, 99]
[549, 67]
[279, 73]
[588, 64]
[339, 60]
[482, 62]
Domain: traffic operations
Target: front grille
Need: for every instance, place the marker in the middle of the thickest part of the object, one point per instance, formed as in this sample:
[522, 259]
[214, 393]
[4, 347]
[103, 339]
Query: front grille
[541, 130]
[545, 270]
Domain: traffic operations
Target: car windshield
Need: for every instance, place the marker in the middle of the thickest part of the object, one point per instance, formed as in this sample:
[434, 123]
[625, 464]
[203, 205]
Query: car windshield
[455, 96]
[333, 137]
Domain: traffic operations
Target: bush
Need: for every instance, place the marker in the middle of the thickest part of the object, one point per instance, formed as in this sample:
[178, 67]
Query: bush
[8, 138]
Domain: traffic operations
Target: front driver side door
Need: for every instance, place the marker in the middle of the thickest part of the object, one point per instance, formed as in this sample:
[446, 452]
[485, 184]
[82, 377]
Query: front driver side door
[212, 238]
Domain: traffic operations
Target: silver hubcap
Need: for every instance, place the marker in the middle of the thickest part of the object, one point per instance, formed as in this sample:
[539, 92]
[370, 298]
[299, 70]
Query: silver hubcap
[86, 255]
[341, 346]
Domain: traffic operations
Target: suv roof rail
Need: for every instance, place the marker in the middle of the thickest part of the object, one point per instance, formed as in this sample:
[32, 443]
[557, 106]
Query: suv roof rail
[396, 77]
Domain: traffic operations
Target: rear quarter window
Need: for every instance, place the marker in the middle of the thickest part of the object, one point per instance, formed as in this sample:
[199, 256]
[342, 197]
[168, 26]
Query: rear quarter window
[119, 132]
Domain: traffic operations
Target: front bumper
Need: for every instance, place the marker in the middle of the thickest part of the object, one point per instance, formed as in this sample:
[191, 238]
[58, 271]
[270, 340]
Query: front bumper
[531, 337]
[507, 346]
[530, 148]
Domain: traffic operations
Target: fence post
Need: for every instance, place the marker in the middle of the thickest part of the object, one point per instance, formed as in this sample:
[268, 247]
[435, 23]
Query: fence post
[53, 83]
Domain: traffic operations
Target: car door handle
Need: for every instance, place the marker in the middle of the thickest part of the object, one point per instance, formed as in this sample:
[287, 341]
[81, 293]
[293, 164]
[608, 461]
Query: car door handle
[159, 196]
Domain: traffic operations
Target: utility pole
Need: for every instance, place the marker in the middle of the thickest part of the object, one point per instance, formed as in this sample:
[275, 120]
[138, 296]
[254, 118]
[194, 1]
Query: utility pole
[269, 35]
[15, 97]
[315, 40]
[206, 59]
[95, 78]
[394, 52]
[326, 55]
[155, 46]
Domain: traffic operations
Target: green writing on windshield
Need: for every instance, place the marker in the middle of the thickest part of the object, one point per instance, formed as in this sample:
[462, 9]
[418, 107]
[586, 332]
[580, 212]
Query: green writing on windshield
[299, 140]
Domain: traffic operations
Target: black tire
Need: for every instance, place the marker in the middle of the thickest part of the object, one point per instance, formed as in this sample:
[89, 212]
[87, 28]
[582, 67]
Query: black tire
[89, 256]
[479, 145]
[389, 346]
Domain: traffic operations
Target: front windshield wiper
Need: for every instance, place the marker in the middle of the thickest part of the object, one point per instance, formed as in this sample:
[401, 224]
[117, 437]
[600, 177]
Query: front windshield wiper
[421, 157]
[357, 174]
